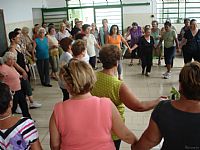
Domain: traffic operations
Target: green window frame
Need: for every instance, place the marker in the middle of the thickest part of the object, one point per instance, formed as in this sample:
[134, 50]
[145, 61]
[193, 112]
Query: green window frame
[177, 10]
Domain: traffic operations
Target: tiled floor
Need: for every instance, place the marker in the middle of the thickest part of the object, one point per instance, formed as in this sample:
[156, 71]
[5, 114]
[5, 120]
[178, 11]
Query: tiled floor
[145, 88]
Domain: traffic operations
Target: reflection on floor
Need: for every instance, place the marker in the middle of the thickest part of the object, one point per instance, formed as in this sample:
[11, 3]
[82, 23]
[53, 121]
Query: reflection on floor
[145, 88]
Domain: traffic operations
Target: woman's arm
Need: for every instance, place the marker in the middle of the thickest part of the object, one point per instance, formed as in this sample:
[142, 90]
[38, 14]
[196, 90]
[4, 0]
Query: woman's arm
[36, 145]
[130, 100]
[177, 44]
[183, 42]
[124, 41]
[106, 39]
[160, 42]
[55, 138]
[150, 138]
[20, 69]
[119, 128]
[33, 51]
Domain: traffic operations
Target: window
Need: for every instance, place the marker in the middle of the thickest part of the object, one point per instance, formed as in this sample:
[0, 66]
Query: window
[177, 10]
[77, 3]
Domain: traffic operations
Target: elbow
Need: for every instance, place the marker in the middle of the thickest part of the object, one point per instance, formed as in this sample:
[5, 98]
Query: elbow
[139, 108]
[130, 138]
[55, 146]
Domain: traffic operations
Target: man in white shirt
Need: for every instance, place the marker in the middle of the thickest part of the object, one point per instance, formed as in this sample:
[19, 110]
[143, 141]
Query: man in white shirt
[91, 44]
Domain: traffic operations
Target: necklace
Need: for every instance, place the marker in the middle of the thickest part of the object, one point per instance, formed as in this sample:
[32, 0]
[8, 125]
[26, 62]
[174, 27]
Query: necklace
[4, 118]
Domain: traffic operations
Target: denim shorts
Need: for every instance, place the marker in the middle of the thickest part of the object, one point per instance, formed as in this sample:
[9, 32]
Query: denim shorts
[169, 54]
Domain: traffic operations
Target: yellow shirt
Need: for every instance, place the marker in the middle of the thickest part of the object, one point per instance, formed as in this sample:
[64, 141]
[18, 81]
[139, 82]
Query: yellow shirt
[109, 86]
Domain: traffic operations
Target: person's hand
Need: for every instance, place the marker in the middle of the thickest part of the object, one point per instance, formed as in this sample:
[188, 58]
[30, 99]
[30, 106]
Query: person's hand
[178, 50]
[55, 46]
[33, 58]
[24, 75]
[129, 49]
[163, 98]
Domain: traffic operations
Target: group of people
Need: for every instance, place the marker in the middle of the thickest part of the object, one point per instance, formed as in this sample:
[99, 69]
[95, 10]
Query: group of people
[148, 42]
[97, 104]
[97, 100]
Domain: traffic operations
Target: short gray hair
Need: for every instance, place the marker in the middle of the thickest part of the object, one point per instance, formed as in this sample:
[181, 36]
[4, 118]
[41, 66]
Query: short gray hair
[9, 55]
[41, 29]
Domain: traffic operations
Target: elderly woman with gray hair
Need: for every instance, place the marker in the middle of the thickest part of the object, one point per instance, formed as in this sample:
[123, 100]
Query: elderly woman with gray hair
[28, 44]
[12, 78]
[42, 55]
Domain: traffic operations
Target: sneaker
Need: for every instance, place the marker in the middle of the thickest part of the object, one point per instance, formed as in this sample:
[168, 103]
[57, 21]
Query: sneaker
[34, 105]
[18, 110]
[164, 74]
[167, 76]
[147, 74]
[47, 85]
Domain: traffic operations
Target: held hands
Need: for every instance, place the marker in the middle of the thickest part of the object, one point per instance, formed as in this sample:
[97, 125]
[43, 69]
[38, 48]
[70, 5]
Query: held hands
[163, 98]
[178, 49]
[131, 49]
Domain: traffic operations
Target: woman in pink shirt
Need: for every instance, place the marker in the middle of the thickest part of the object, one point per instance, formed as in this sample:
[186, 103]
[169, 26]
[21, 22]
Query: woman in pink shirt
[12, 78]
[85, 122]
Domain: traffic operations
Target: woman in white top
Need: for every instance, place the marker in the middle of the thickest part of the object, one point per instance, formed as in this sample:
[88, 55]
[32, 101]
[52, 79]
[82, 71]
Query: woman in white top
[62, 33]
[66, 45]
[91, 44]
[53, 51]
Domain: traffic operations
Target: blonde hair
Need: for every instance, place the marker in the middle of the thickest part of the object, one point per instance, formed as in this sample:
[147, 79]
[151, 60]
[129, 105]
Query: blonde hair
[62, 24]
[9, 55]
[25, 30]
[79, 75]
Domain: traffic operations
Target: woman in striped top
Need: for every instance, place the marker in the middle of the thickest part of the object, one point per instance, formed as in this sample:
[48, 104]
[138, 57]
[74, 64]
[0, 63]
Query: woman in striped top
[15, 132]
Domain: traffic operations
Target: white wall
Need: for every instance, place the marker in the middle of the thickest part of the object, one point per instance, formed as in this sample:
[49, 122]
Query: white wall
[18, 13]
[140, 14]
[56, 3]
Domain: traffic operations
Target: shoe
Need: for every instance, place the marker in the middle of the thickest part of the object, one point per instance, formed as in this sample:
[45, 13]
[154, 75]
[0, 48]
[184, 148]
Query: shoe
[55, 78]
[95, 68]
[167, 76]
[47, 85]
[18, 110]
[147, 74]
[34, 105]
[120, 78]
[159, 63]
[164, 74]
[131, 64]
[142, 72]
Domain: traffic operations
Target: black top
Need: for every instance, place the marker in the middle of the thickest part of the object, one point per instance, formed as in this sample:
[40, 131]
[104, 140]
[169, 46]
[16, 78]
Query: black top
[74, 31]
[21, 60]
[180, 130]
[193, 42]
[146, 47]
